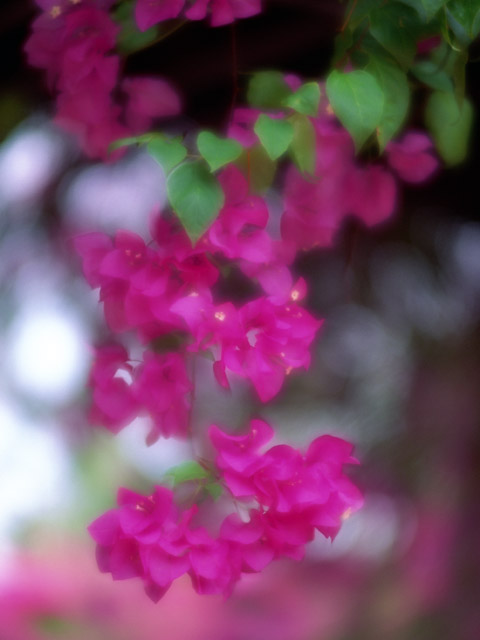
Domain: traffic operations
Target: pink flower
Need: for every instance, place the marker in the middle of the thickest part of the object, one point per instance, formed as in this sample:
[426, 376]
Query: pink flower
[239, 231]
[316, 207]
[92, 249]
[162, 388]
[371, 194]
[159, 387]
[223, 11]
[145, 537]
[412, 157]
[151, 12]
[260, 341]
[301, 492]
[241, 126]
[138, 284]
[238, 452]
[427, 44]
[151, 538]
[276, 340]
[88, 30]
[211, 567]
[248, 541]
[113, 402]
[148, 99]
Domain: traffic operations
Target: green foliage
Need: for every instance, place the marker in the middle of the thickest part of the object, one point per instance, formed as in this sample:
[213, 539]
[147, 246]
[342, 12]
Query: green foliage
[130, 38]
[195, 196]
[381, 38]
[268, 90]
[217, 151]
[433, 76]
[130, 141]
[56, 626]
[305, 100]
[372, 100]
[427, 9]
[302, 147]
[260, 169]
[450, 125]
[186, 472]
[168, 152]
[464, 19]
[393, 26]
[214, 489]
[275, 135]
[394, 85]
[358, 102]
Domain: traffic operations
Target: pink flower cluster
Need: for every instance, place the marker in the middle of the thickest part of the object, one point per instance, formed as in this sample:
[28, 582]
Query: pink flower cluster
[74, 41]
[151, 12]
[158, 387]
[165, 289]
[290, 494]
[314, 207]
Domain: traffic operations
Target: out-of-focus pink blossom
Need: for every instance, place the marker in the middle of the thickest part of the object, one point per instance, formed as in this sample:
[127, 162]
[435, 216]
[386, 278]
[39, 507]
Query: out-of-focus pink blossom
[427, 44]
[412, 157]
[73, 42]
[223, 11]
[371, 194]
[149, 98]
[151, 12]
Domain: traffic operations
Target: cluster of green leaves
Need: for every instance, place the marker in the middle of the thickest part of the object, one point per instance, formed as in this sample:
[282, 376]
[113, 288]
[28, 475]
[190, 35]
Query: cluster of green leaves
[193, 190]
[379, 41]
[288, 127]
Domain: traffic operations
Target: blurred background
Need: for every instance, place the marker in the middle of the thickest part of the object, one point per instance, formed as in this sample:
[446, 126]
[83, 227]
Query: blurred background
[396, 371]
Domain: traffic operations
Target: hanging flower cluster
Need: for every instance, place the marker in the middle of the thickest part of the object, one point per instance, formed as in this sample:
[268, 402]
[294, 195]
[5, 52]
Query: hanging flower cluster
[165, 294]
[167, 290]
[282, 495]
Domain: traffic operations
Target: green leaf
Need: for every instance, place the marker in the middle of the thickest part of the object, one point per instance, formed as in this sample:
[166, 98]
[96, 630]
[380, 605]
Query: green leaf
[130, 38]
[186, 472]
[458, 74]
[274, 134]
[464, 19]
[53, 626]
[217, 151]
[168, 152]
[257, 165]
[359, 10]
[302, 147]
[432, 75]
[393, 82]
[426, 9]
[357, 101]
[450, 125]
[195, 196]
[128, 142]
[391, 25]
[305, 100]
[267, 90]
[214, 489]
[343, 43]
